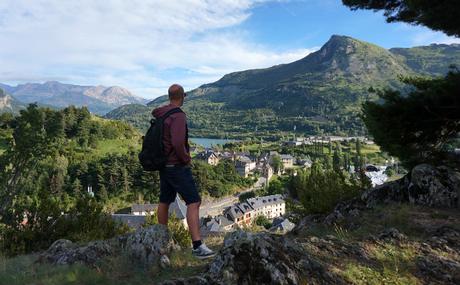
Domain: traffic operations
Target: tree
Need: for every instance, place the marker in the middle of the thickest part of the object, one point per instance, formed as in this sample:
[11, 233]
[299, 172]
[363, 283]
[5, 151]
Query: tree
[320, 190]
[336, 161]
[277, 163]
[37, 134]
[263, 222]
[438, 15]
[416, 127]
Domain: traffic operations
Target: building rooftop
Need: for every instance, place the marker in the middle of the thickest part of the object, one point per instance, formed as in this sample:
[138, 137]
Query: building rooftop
[178, 208]
[259, 202]
[234, 212]
[143, 207]
[244, 159]
[205, 155]
[133, 221]
[286, 156]
[284, 226]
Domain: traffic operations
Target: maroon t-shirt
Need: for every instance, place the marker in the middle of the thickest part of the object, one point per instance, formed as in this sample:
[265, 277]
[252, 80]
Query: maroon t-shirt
[174, 135]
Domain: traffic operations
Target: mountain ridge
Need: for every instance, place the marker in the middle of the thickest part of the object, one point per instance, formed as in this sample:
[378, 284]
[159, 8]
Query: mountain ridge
[99, 99]
[9, 104]
[320, 93]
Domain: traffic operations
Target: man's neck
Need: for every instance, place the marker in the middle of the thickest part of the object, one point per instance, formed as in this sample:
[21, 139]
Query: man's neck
[175, 104]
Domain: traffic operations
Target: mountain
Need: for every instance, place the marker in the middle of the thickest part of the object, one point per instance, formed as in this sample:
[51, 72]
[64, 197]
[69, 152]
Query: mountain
[320, 93]
[99, 99]
[430, 60]
[135, 114]
[8, 104]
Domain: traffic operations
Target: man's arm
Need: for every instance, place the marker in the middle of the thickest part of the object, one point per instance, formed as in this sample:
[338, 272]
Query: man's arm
[178, 130]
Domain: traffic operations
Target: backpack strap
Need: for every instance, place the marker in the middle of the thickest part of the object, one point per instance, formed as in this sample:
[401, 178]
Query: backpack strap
[170, 112]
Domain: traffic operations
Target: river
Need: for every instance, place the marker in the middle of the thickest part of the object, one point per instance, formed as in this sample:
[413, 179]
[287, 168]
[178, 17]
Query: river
[205, 142]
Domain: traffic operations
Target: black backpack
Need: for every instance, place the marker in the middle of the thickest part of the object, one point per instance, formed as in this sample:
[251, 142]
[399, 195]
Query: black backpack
[152, 156]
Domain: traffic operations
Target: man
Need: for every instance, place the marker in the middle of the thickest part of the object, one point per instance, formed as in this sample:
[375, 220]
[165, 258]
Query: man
[176, 177]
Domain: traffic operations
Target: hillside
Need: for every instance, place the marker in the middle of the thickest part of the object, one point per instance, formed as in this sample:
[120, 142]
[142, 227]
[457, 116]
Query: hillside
[430, 60]
[402, 232]
[99, 99]
[9, 104]
[135, 114]
[322, 92]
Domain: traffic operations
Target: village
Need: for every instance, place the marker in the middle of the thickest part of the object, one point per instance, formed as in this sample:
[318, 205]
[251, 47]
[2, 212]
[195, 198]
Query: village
[230, 213]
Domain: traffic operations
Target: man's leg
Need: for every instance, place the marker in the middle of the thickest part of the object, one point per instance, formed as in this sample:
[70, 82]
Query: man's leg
[162, 213]
[193, 220]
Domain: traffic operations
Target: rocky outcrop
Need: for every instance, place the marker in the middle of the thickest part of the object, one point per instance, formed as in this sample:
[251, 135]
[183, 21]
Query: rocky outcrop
[65, 252]
[147, 246]
[434, 187]
[426, 185]
[263, 258]
[437, 269]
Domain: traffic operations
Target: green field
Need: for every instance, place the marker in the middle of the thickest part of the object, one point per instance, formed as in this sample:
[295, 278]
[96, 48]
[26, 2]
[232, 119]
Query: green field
[107, 146]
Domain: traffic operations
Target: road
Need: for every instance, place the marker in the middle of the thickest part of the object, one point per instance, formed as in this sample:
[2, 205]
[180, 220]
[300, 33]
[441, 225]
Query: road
[215, 208]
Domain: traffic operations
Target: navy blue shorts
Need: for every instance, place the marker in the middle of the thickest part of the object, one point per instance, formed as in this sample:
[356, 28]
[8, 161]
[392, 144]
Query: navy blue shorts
[175, 180]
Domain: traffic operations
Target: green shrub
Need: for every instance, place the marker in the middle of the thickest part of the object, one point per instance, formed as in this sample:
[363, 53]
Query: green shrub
[47, 222]
[263, 222]
[176, 228]
[321, 189]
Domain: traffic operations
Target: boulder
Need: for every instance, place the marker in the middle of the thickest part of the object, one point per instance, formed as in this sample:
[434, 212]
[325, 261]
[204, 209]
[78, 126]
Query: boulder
[248, 258]
[394, 191]
[147, 245]
[64, 252]
[434, 187]
[392, 234]
[196, 280]
[436, 269]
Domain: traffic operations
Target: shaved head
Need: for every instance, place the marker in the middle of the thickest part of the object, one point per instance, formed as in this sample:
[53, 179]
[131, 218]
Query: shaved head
[176, 92]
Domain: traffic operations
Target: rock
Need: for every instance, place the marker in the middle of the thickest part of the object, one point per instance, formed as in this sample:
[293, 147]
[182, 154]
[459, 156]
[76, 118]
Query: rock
[434, 187]
[306, 222]
[196, 280]
[392, 234]
[266, 259]
[147, 245]
[394, 191]
[337, 248]
[446, 239]
[64, 252]
[426, 185]
[164, 262]
[440, 269]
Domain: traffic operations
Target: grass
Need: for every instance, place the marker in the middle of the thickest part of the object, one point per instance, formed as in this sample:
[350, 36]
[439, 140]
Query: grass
[116, 270]
[387, 262]
[23, 270]
[359, 274]
[108, 146]
[395, 265]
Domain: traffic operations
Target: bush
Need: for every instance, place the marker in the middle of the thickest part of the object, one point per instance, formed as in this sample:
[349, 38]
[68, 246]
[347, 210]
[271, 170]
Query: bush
[176, 228]
[320, 190]
[263, 222]
[46, 222]
[244, 196]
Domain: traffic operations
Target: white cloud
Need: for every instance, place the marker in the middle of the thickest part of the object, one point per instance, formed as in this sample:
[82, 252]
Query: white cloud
[429, 37]
[137, 44]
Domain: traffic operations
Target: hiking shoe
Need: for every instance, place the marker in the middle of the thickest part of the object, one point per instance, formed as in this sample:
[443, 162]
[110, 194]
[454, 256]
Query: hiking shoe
[203, 252]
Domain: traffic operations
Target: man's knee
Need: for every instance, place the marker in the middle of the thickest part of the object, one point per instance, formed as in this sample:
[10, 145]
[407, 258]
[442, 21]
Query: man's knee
[195, 205]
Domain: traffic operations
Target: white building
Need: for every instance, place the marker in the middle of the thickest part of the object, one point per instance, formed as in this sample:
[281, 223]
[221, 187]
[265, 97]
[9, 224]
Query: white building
[287, 160]
[271, 206]
[177, 209]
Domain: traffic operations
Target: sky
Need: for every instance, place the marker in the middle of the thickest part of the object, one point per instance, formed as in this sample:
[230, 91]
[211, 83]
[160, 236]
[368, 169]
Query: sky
[147, 45]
